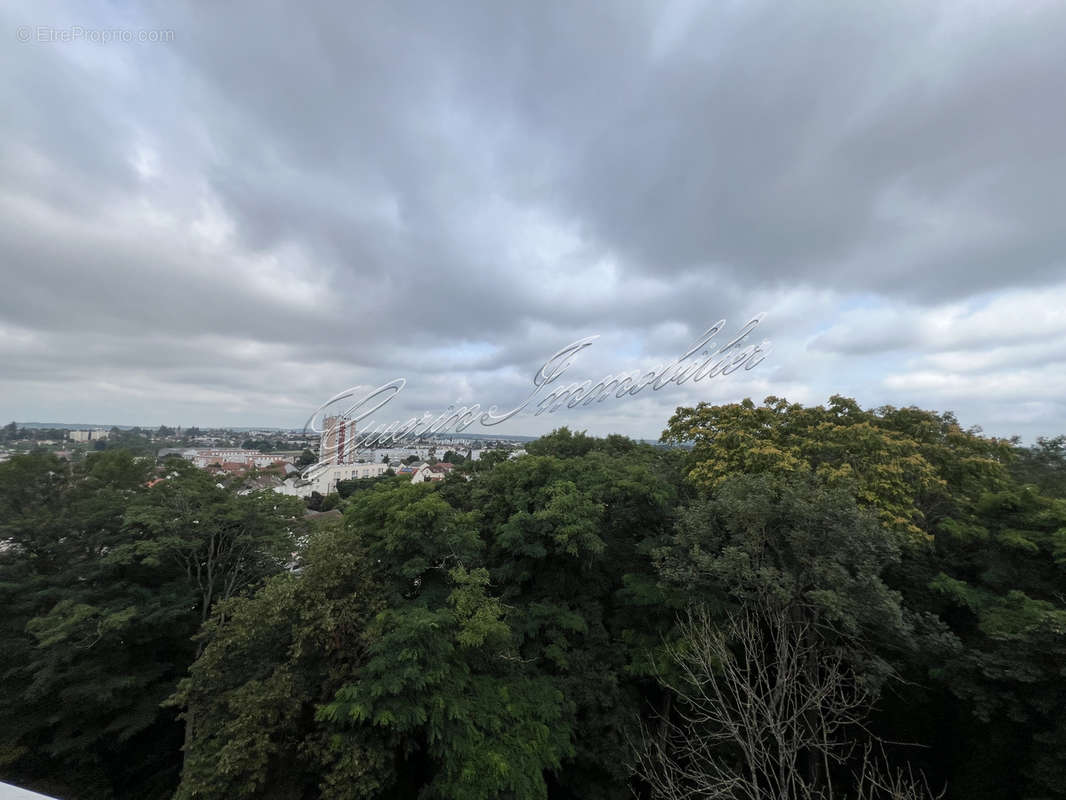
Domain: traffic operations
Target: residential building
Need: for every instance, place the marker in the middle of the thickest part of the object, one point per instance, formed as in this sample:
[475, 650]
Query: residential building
[423, 473]
[236, 457]
[88, 436]
[324, 479]
[430, 472]
[335, 443]
[188, 453]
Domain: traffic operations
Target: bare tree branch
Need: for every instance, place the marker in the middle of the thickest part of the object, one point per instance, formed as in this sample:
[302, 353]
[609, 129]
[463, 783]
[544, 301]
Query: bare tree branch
[764, 710]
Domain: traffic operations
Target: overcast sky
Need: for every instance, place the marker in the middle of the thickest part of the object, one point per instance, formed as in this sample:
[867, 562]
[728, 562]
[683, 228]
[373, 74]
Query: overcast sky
[281, 200]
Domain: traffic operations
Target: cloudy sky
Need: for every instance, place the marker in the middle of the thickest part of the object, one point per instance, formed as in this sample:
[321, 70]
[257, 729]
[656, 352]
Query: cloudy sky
[264, 203]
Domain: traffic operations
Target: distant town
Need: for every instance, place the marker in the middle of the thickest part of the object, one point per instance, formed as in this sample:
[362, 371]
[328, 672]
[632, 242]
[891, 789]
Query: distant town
[294, 463]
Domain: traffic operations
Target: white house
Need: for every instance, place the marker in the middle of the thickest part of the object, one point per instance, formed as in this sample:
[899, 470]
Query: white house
[423, 473]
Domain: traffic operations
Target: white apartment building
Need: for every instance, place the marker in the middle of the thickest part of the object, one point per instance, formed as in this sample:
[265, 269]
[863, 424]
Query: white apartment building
[87, 436]
[324, 480]
[239, 456]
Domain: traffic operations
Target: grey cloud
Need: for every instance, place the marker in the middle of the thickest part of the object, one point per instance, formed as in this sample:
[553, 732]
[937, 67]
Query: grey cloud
[493, 180]
[763, 146]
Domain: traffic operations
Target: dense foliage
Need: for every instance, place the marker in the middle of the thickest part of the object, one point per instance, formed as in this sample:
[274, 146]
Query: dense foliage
[501, 634]
[104, 582]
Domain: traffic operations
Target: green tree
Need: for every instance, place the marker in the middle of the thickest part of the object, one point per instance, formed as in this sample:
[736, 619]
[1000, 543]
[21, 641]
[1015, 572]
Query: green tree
[224, 543]
[330, 502]
[268, 661]
[914, 468]
[1000, 592]
[1043, 465]
[346, 489]
[91, 643]
[105, 581]
[570, 542]
[489, 459]
[562, 443]
[519, 584]
[803, 541]
[975, 574]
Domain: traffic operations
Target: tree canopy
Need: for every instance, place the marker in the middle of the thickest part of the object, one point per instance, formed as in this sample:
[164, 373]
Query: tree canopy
[513, 630]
